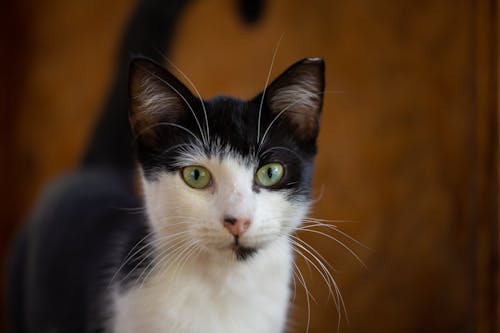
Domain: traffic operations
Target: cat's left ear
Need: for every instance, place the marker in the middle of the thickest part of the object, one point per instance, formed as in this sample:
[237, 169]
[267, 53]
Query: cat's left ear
[297, 95]
[156, 97]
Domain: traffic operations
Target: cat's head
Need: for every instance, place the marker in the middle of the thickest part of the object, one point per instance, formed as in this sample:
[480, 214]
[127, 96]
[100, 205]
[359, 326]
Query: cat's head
[226, 175]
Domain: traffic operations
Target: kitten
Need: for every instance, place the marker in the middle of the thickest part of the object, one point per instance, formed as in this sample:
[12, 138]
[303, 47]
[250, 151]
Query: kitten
[222, 192]
[224, 184]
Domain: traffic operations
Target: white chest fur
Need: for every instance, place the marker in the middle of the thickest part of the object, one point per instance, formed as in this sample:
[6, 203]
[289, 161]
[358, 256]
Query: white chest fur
[205, 296]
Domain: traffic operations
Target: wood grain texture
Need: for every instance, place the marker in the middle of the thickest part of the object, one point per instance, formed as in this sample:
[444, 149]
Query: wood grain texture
[408, 145]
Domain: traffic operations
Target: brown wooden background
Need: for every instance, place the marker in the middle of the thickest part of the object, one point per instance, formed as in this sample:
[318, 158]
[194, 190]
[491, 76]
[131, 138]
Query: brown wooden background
[408, 148]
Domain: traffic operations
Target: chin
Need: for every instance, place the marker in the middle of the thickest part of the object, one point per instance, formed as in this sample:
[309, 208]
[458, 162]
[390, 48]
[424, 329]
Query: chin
[243, 253]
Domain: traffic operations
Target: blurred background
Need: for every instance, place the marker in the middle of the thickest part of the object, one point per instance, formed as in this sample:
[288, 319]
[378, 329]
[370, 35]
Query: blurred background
[407, 152]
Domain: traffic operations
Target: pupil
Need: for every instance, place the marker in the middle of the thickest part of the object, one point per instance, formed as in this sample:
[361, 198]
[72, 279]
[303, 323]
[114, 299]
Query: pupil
[270, 172]
[196, 174]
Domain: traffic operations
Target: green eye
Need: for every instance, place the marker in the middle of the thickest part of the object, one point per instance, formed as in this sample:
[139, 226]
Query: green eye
[269, 174]
[196, 176]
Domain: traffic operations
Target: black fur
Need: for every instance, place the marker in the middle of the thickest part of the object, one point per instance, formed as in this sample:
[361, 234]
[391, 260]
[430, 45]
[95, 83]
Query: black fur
[78, 235]
[85, 225]
[232, 123]
[149, 31]
[244, 253]
[82, 227]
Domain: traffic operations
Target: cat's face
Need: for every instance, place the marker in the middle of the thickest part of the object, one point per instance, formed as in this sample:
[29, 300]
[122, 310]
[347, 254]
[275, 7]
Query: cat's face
[224, 175]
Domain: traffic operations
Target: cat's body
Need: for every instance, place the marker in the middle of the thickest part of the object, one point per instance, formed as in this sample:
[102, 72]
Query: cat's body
[218, 296]
[224, 184]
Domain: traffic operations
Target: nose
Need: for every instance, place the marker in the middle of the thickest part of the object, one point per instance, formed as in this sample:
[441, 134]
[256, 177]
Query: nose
[236, 226]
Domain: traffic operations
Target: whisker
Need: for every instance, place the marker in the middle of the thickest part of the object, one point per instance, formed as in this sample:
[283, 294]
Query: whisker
[161, 258]
[262, 141]
[275, 119]
[310, 224]
[192, 248]
[338, 299]
[338, 242]
[284, 148]
[320, 195]
[176, 256]
[174, 237]
[265, 87]
[165, 152]
[312, 219]
[325, 274]
[312, 249]
[129, 256]
[189, 219]
[185, 101]
[164, 123]
[132, 253]
[196, 91]
[294, 285]
[307, 293]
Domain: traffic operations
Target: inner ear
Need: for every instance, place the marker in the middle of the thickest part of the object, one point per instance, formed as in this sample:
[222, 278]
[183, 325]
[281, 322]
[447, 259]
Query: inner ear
[297, 96]
[156, 97]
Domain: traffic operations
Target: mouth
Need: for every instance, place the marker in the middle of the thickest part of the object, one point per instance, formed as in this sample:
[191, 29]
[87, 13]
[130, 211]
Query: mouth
[241, 252]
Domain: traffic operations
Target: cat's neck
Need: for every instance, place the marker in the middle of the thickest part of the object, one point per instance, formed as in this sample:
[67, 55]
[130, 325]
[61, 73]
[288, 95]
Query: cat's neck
[222, 294]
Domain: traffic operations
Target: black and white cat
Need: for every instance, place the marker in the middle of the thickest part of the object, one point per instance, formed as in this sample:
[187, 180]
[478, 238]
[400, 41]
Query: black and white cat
[224, 181]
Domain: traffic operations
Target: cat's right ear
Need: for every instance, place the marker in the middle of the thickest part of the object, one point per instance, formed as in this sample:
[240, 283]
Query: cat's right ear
[297, 97]
[156, 97]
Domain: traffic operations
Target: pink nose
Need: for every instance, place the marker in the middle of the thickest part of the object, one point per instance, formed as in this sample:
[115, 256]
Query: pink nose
[235, 226]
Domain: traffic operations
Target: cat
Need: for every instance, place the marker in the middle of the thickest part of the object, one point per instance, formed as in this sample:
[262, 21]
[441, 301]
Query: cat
[224, 184]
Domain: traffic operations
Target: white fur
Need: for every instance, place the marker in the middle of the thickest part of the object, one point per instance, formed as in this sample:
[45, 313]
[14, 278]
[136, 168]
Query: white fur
[303, 95]
[153, 100]
[210, 291]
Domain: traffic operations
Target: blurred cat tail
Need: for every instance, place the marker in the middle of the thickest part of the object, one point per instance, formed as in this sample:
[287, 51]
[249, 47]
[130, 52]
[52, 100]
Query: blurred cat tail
[148, 33]
[251, 10]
